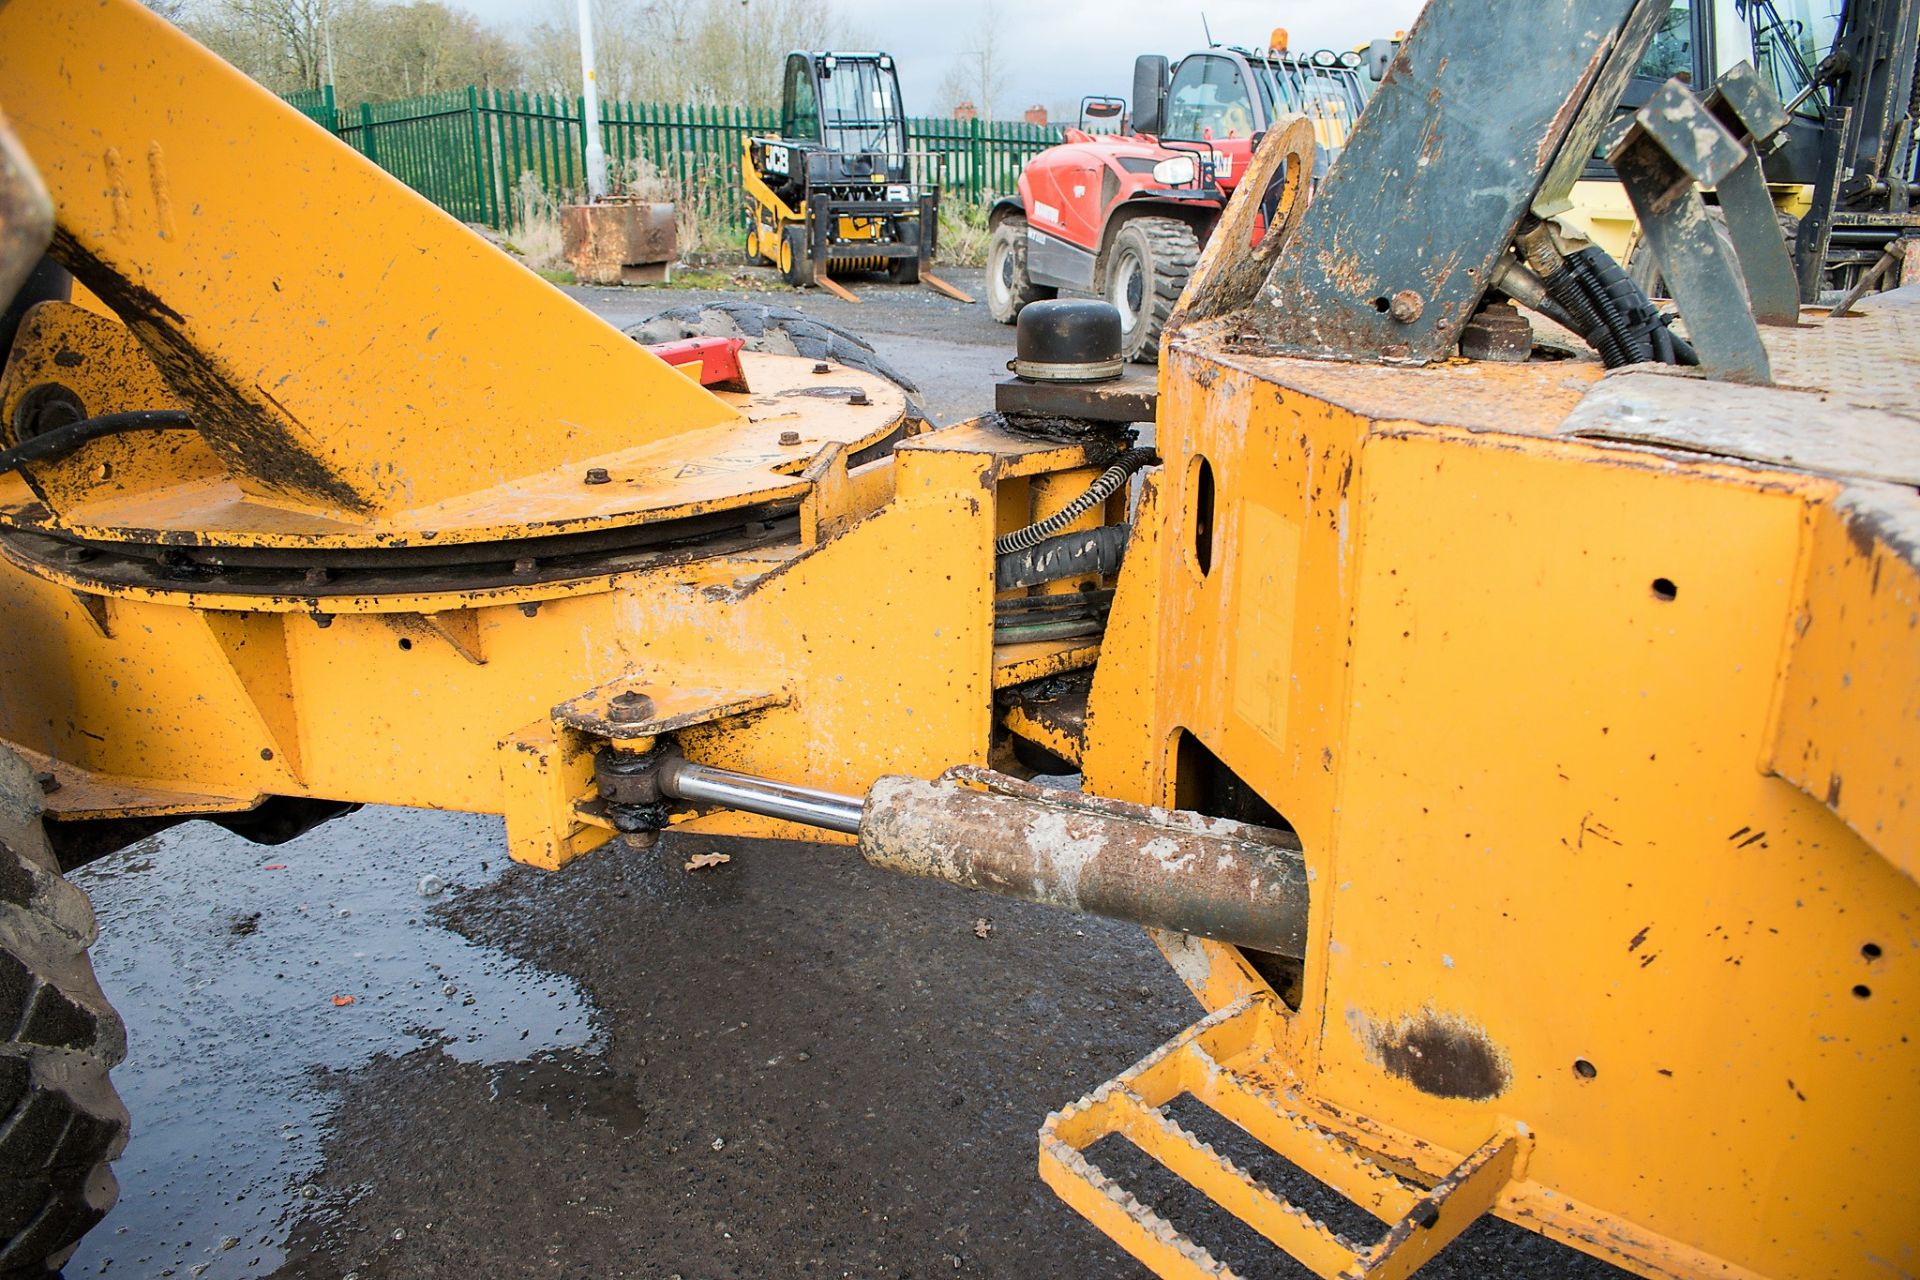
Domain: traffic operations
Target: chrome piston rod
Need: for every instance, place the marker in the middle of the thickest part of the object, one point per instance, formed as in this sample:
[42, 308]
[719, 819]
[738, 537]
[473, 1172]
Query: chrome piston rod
[681, 779]
[1168, 869]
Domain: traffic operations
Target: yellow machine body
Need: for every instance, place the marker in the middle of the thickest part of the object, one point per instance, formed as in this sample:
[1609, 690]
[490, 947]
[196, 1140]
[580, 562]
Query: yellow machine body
[1597, 738]
[1574, 766]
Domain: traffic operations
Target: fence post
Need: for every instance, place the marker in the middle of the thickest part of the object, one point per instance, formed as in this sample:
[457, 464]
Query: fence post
[368, 148]
[976, 159]
[481, 187]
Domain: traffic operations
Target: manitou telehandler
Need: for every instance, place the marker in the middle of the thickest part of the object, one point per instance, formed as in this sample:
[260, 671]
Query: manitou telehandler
[1510, 743]
[1125, 215]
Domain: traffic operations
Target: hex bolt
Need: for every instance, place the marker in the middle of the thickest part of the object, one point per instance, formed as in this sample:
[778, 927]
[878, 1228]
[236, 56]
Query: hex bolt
[629, 708]
[524, 566]
[822, 367]
[789, 437]
[597, 475]
[859, 396]
[1406, 306]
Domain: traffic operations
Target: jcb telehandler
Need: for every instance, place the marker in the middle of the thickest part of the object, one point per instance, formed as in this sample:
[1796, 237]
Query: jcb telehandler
[1511, 746]
[836, 191]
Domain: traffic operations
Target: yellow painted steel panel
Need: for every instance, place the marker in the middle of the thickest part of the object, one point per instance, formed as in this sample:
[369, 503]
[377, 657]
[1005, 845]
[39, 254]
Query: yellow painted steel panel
[332, 330]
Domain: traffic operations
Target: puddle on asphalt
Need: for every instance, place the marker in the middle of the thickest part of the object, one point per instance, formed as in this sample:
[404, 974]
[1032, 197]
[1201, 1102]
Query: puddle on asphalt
[227, 973]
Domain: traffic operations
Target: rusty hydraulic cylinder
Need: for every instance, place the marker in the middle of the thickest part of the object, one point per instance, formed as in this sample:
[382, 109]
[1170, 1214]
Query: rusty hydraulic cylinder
[1171, 869]
[1167, 868]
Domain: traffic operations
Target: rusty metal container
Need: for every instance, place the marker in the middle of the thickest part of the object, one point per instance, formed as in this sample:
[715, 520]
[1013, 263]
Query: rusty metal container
[619, 241]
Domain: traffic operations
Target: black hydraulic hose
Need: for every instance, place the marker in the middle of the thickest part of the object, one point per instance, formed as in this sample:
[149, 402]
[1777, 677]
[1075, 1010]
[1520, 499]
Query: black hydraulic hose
[1663, 349]
[1099, 491]
[1564, 287]
[1611, 294]
[1641, 315]
[61, 441]
[1683, 352]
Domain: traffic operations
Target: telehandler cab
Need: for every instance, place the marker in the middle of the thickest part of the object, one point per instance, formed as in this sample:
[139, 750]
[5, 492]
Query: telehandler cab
[1510, 746]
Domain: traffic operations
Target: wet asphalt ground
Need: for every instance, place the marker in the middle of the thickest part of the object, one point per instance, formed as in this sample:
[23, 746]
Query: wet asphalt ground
[381, 1051]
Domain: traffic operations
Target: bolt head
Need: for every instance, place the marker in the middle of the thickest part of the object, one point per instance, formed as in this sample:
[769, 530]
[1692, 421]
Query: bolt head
[789, 437]
[598, 475]
[629, 707]
[1406, 306]
[821, 367]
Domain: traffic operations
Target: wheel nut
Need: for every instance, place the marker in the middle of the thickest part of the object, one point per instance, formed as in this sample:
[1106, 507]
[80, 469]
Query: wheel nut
[597, 475]
[789, 437]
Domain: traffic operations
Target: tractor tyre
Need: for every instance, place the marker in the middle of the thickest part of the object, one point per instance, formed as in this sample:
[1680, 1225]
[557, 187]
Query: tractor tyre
[1148, 263]
[780, 331]
[61, 1123]
[796, 261]
[904, 271]
[1009, 289]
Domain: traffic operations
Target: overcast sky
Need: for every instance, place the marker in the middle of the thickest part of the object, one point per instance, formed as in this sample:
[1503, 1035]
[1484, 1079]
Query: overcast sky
[1056, 52]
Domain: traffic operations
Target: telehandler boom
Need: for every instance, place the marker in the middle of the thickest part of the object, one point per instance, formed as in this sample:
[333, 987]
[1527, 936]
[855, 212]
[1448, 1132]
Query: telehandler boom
[1512, 750]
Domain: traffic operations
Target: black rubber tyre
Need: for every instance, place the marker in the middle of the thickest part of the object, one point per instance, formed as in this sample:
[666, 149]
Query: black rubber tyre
[780, 331]
[904, 271]
[1009, 289]
[1148, 262]
[799, 269]
[61, 1122]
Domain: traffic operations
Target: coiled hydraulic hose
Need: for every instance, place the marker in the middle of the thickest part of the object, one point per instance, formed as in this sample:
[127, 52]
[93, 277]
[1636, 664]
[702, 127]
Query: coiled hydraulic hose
[1105, 486]
[1612, 312]
[61, 441]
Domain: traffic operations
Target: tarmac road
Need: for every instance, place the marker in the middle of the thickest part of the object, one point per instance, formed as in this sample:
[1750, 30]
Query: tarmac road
[783, 1065]
[952, 351]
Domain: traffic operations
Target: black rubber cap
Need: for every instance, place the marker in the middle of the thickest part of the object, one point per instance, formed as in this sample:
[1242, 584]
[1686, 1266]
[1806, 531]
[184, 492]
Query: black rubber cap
[1074, 332]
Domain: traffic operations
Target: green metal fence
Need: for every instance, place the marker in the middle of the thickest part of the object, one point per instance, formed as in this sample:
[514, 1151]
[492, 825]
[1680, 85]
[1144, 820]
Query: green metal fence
[475, 152]
[316, 104]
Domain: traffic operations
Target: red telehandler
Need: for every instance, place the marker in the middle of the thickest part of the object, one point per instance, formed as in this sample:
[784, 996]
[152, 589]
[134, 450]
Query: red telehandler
[1124, 215]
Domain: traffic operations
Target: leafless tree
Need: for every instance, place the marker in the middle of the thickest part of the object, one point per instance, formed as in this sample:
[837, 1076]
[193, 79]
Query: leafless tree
[977, 74]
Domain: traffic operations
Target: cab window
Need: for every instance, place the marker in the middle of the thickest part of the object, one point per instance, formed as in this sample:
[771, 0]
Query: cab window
[1671, 52]
[1784, 39]
[1209, 98]
[800, 108]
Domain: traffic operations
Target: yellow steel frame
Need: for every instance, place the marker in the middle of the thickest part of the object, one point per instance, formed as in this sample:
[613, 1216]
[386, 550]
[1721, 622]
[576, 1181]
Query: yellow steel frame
[1599, 752]
[1562, 726]
[195, 247]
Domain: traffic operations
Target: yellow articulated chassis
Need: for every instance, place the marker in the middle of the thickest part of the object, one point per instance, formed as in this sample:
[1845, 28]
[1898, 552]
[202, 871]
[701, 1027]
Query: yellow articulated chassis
[1592, 698]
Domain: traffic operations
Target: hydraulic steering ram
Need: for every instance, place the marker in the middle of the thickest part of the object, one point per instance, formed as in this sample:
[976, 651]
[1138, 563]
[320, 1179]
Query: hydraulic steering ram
[1167, 868]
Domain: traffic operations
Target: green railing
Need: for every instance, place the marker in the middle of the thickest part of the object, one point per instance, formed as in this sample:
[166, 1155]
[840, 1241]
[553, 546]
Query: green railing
[469, 150]
[315, 104]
